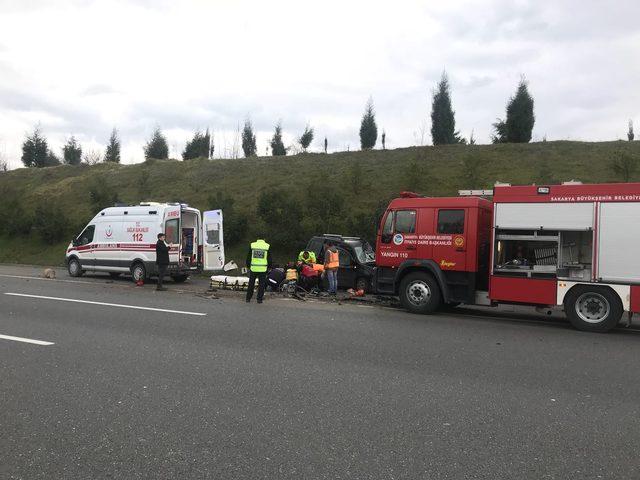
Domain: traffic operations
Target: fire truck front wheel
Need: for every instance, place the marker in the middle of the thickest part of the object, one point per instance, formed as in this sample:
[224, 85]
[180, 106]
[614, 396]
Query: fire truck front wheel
[420, 293]
[593, 309]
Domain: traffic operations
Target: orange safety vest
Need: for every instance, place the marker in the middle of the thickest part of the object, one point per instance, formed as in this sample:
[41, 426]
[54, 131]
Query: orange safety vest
[331, 260]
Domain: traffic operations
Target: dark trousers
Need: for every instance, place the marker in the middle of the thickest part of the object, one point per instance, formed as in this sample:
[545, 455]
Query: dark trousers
[262, 280]
[162, 270]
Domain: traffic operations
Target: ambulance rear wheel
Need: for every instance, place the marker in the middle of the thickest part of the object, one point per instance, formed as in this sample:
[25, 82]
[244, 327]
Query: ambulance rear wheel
[74, 268]
[139, 272]
[179, 278]
[420, 293]
[593, 309]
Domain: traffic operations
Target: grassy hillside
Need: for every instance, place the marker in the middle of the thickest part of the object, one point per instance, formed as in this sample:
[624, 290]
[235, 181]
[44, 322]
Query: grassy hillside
[304, 194]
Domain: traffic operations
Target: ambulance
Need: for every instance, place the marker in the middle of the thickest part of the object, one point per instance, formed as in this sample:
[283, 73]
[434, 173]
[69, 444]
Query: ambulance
[122, 240]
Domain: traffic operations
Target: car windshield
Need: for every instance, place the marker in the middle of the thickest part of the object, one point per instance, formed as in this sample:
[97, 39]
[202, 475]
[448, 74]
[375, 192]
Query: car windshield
[364, 252]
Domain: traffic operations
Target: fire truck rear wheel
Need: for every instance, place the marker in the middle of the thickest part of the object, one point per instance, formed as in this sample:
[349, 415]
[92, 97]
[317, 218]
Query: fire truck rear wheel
[593, 309]
[420, 293]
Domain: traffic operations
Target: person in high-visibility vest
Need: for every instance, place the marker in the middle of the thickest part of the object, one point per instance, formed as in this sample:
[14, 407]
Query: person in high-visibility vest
[331, 264]
[307, 256]
[258, 263]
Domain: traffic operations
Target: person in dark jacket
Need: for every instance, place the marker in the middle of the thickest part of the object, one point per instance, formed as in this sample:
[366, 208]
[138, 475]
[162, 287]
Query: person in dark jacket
[162, 259]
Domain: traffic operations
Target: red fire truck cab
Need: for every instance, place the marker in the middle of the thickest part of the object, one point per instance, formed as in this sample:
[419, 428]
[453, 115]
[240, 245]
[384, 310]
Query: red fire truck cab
[569, 245]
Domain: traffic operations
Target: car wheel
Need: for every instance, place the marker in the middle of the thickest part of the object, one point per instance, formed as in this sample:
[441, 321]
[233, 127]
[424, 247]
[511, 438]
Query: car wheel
[420, 293]
[593, 309]
[362, 283]
[139, 272]
[74, 268]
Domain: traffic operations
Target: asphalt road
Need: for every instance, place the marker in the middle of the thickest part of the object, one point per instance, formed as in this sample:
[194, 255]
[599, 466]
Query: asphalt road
[291, 390]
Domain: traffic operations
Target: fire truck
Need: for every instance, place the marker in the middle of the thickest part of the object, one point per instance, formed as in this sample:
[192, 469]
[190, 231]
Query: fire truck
[573, 245]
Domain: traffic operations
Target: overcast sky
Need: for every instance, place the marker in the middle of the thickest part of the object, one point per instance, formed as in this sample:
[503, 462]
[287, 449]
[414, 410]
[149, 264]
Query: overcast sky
[81, 67]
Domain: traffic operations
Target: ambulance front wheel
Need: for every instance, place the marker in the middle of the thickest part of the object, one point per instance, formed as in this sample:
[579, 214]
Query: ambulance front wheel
[74, 268]
[420, 293]
[593, 309]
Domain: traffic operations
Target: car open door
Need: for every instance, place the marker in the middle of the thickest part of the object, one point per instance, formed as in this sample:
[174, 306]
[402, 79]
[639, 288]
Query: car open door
[212, 240]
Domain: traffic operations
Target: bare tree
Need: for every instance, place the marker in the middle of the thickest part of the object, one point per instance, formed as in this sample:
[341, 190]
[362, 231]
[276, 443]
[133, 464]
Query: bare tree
[92, 157]
[4, 163]
[420, 133]
[237, 142]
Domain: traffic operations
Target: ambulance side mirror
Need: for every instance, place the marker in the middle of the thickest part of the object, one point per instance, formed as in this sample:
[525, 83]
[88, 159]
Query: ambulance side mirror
[75, 242]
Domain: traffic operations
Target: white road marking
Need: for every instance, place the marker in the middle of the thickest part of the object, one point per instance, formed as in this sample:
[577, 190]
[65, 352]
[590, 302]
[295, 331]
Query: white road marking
[135, 307]
[25, 340]
[26, 277]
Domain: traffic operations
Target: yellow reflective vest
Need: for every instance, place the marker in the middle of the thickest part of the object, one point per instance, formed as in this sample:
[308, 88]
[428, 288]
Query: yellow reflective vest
[259, 252]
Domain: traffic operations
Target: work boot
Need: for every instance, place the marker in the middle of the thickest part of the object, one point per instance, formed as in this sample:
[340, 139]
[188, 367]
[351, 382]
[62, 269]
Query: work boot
[161, 289]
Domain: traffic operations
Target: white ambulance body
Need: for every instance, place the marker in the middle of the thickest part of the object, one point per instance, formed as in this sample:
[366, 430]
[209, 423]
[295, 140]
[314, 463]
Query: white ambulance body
[122, 239]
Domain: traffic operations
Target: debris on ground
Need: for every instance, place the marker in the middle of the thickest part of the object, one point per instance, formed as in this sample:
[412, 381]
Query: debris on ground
[49, 273]
[208, 295]
[228, 282]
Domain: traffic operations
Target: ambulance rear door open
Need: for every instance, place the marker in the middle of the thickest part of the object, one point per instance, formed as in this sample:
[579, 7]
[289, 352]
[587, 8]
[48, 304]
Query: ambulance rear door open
[212, 240]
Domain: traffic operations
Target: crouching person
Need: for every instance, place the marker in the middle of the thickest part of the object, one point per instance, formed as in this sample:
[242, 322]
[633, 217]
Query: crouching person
[258, 262]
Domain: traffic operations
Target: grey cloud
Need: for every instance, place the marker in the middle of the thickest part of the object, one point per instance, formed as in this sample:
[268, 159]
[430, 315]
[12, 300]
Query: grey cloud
[563, 20]
[99, 89]
[71, 119]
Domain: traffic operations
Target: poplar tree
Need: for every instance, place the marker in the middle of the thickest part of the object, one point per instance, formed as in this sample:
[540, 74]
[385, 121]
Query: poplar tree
[520, 119]
[198, 146]
[112, 154]
[368, 127]
[35, 151]
[306, 138]
[72, 152]
[443, 122]
[249, 146]
[157, 146]
[277, 147]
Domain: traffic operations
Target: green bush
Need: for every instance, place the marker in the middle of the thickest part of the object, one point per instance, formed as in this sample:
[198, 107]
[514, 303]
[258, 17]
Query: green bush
[279, 213]
[16, 220]
[235, 223]
[50, 223]
[325, 212]
[101, 195]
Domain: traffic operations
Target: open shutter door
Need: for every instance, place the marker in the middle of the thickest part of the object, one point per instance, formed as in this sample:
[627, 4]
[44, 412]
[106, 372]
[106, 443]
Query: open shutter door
[213, 245]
